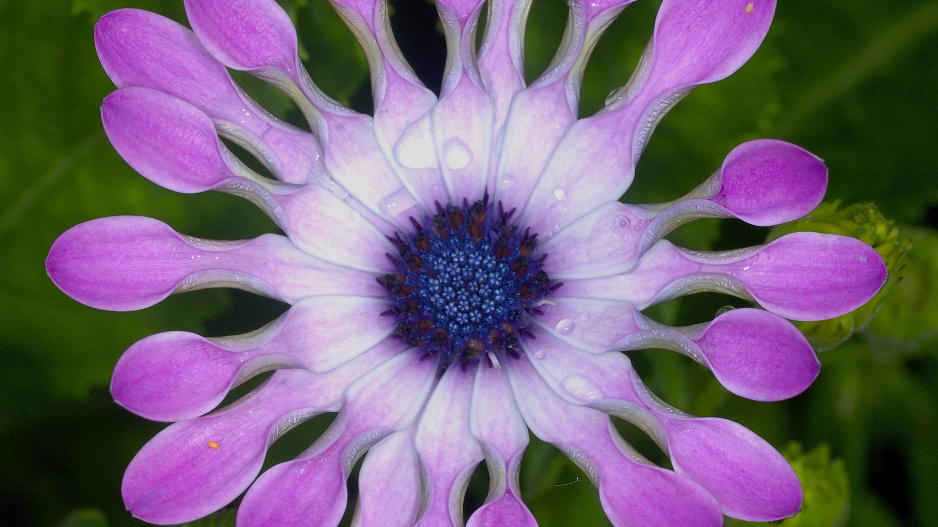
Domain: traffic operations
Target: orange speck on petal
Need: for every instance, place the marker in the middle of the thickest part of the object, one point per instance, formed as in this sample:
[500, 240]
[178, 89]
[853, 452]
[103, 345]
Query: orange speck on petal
[212, 444]
[749, 7]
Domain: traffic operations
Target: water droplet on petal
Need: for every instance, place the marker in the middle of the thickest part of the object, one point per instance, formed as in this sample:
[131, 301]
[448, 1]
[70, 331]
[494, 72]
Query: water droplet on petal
[397, 202]
[507, 181]
[565, 326]
[724, 309]
[456, 154]
[539, 355]
[581, 388]
[560, 193]
[415, 147]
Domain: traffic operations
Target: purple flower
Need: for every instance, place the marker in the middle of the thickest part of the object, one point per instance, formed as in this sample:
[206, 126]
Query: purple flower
[458, 267]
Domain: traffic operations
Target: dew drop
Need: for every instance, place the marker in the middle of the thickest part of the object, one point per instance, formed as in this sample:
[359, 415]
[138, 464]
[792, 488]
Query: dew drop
[539, 355]
[415, 147]
[560, 193]
[724, 309]
[565, 326]
[507, 182]
[456, 154]
[397, 202]
[581, 388]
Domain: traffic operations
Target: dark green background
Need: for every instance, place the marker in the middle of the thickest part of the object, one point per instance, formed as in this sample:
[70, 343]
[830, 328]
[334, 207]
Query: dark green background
[856, 82]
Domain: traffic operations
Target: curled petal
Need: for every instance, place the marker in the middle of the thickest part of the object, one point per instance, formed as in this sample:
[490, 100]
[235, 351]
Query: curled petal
[389, 483]
[753, 353]
[139, 48]
[632, 492]
[130, 262]
[540, 115]
[167, 140]
[313, 485]
[807, 276]
[801, 276]
[182, 152]
[508, 510]
[257, 36]
[462, 121]
[448, 452]
[176, 375]
[402, 103]
[749, 478]
[501, 54]
[768, 182]
[758, 355]
[496, 422]
[195, 467]
[695, 42]
[245, 34]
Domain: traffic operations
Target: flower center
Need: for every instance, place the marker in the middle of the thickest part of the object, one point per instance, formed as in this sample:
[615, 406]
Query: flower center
[466, 284]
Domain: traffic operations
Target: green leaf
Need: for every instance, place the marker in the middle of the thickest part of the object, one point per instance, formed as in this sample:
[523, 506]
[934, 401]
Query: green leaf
[908, 319]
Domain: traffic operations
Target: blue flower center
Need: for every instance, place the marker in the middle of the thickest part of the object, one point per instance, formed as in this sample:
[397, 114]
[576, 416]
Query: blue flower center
[466, 284]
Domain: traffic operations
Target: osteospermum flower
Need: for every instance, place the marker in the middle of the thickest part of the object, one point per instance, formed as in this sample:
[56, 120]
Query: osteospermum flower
[458, 267]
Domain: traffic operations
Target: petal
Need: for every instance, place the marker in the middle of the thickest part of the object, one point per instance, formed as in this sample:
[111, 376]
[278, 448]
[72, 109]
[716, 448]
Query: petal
[605, 242]
[130, 262]
[462, 121]
[801, 276]
[245, 34]
[462, 132]
[389, 483]
[808, 276]
[588, 324]
[496, 422]
[313, 485]
[402, 103]
[448, 452]
[632, 492]
[174, 376]
[662, 265]
[167, 140]
[181, 152]
[768, 182]
[139, 48]
[749, 478]
[695, 42]
[758, 355]
[501, 54]
[257, 36]
[753, 353]
[328, 227]
[196, 467]
[540, 115]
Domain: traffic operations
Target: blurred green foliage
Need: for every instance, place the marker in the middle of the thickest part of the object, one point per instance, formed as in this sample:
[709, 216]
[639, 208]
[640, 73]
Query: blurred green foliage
[854, 82]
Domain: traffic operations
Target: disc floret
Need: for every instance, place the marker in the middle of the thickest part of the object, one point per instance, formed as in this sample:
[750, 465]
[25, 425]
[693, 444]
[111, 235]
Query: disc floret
[466, 284]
